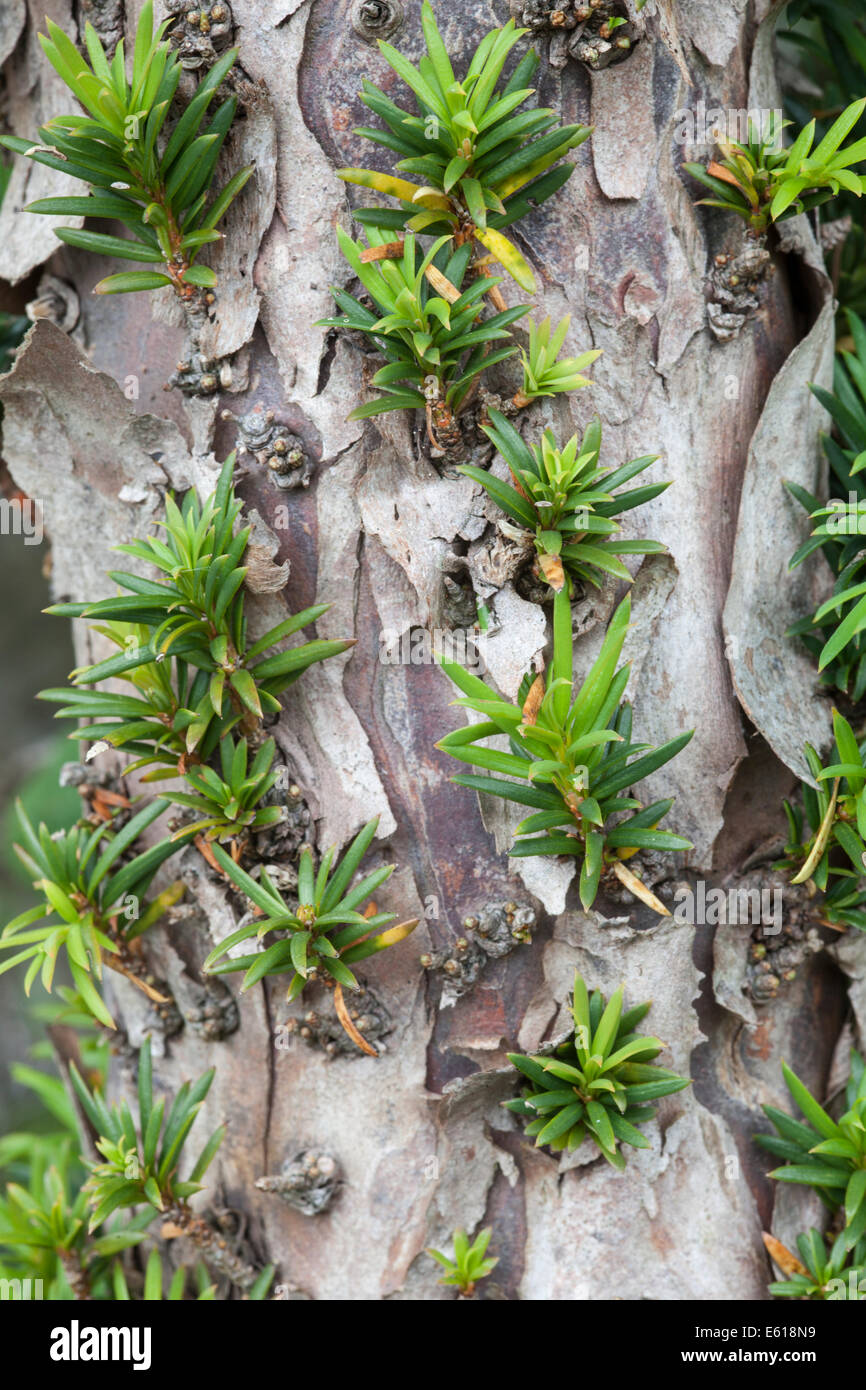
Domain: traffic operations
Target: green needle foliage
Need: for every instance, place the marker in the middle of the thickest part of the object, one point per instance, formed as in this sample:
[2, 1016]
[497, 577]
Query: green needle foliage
[844, 670]
[843, 903]
[155, 721]
[543, 373]
[825, 1154]
[567, 501]
[835, 814]
[158, 188]
[228, 807]
[469, 1264]
[92, 903]
[831, 1277]
[154, 1290]
[427, 327]
[45, 1233]
[834, 633]
[142, 1159]
[44, 1227]
[480, 162]
[43, 1214]
[43, 1223]
[571, 756]
[764, 183]
[326, 932]
[194, 614]
[597, 1084]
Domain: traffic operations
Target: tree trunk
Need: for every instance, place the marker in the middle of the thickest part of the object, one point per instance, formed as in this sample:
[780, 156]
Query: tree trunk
[419, 1136]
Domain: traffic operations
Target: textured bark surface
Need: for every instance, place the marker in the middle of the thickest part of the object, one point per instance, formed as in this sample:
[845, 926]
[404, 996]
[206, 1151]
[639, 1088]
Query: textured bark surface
[421, 1140]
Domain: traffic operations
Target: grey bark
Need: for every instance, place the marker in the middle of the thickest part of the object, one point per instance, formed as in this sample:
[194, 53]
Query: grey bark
[419, 1135]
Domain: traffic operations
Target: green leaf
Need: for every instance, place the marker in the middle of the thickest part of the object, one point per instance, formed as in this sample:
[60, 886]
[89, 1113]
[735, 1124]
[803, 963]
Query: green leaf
[200, 275]
[243, 683]
[608, 1027]
[90, 996]
[131, 280]
[855, 1195]
[591, 869]
[207, 1155]
[594, 689]
[269, 902]
[103, 245]
[297, 659]
[523, 795]
[121, 842]
[599, 1121]
[808, 1105]
[641, 767]
[298, 944]
[414, 80]
[836, 134]
[810, 1174]
[226, 196]
[474, 195]
[560, 1124]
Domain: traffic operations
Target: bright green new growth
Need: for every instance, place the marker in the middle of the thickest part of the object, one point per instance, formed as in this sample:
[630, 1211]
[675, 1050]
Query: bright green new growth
[427, 328]
[468, 1265]
[836, 815]
[83, 880]
[229, 807]
[764, 183]
[822, 1153]
[142, 1158]
[481, 164]
[195, 615]
[571, 755]
[567, 501]
[158, 189]
[327, 932]
[544, 373]
[596, 1084]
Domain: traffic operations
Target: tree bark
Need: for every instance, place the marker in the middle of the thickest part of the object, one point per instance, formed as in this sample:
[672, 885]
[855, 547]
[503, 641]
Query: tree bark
[419, 1136]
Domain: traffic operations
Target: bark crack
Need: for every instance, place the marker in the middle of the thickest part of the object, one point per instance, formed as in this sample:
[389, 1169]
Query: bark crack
[272, 1079]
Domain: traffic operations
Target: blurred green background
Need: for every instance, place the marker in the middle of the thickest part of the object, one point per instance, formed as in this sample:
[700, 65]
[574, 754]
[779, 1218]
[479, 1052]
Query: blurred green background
[37, 652]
